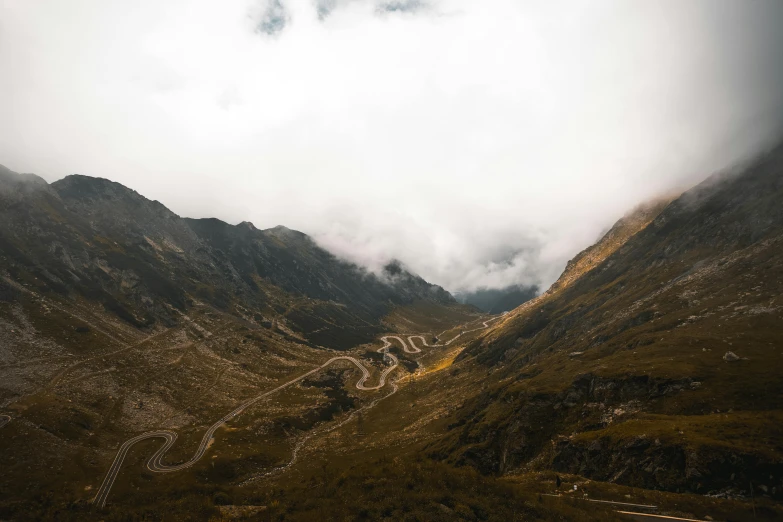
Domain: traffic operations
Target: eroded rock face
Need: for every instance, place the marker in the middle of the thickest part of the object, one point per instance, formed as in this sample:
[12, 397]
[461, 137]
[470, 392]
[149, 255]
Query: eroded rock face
[649, 463]
[533, 438]
[591, 402]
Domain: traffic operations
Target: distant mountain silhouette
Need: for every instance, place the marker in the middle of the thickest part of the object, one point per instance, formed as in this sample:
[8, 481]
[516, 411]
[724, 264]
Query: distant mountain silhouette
[497, 300]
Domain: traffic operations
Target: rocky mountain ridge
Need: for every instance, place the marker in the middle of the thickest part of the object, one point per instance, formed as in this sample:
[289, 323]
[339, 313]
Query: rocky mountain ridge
[104, 242]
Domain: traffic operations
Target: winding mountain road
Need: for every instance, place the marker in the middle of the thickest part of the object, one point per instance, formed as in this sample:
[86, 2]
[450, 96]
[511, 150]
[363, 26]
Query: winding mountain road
[424, 342]
[156, 464]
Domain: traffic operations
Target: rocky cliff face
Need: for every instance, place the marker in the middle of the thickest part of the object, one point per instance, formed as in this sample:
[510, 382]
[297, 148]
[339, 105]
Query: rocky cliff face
[618, 372]
[100, 241]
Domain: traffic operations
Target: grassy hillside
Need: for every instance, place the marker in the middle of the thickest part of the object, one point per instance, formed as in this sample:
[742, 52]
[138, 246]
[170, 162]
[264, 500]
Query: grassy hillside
[620, 372]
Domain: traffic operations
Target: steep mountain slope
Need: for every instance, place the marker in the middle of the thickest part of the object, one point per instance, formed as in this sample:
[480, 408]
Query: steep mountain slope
[118, 317]
[514, 297]
[621, 371]
[100, 240]
[616, 237]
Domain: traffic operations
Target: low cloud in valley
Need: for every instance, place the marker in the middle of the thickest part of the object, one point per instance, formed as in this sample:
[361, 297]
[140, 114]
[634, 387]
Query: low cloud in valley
[480, 143]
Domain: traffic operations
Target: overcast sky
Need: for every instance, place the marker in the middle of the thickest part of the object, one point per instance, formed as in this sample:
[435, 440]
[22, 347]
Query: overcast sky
[482, 143]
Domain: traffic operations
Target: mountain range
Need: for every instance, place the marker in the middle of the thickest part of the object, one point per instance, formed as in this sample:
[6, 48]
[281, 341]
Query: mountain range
[648, 376]
[96, 239]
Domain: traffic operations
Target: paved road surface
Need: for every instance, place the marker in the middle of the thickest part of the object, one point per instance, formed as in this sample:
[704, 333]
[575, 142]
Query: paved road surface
[633, 515]
[155, 463]
[646, 517]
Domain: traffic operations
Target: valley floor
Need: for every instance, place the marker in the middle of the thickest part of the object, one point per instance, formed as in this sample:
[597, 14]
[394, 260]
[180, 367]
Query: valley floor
[331, 442]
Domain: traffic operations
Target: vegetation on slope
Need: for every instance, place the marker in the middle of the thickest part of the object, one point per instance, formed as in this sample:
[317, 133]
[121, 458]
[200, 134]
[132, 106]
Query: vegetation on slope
[619, 372]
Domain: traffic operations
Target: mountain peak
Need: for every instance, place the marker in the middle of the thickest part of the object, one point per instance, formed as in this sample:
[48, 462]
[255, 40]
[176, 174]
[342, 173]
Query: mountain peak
[12, 181]
[94, 193]
[394, 267]
[247, 225]
[89, 184]
[280, 229]
[285, 233]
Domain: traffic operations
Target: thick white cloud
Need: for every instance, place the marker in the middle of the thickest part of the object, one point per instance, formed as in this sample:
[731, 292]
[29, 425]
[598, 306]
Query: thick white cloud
[481, 143]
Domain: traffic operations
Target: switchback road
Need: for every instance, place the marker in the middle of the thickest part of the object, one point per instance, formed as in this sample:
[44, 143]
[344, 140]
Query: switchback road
[156, 464]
